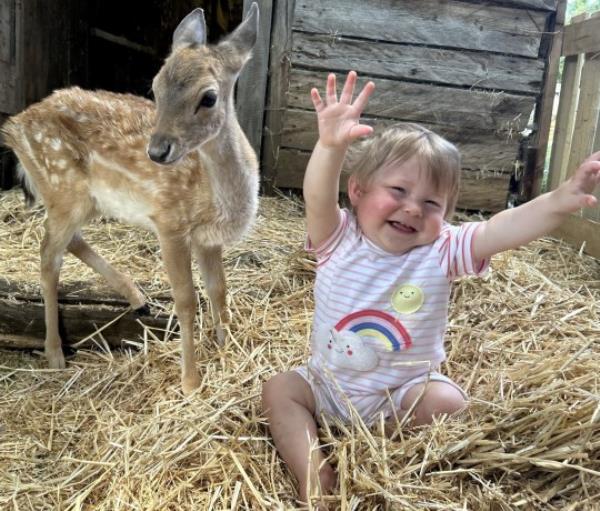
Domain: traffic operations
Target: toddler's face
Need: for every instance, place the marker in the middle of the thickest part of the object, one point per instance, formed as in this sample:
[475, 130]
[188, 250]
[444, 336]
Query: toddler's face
[399, 209]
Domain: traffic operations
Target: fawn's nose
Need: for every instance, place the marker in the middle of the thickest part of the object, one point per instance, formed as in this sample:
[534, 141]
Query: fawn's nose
[160, 148]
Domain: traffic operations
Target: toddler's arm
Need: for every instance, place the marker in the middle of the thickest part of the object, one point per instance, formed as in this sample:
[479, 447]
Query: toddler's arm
[338, 127]
[512, 228]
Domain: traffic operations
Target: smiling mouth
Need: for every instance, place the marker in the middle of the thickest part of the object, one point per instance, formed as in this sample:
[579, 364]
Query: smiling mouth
[399, 226]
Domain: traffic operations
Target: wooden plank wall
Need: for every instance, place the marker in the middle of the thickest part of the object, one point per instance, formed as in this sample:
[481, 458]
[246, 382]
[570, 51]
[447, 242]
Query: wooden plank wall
[471, 71]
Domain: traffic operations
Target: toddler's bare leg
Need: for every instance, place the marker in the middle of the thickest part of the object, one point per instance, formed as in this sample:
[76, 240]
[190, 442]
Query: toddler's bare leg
[439, 398]
[289, 404]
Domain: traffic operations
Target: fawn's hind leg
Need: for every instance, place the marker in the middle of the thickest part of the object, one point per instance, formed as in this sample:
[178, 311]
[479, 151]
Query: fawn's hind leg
[57, 235]
[210, 261]
[120, 282]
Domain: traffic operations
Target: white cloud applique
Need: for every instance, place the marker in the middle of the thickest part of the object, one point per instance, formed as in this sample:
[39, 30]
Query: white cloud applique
[346, 350]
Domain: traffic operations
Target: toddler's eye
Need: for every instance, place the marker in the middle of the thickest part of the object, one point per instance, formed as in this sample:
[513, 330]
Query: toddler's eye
[433, 203]
[399, 189]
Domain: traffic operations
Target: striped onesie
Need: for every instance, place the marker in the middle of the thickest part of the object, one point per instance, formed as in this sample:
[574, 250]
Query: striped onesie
[380, 318]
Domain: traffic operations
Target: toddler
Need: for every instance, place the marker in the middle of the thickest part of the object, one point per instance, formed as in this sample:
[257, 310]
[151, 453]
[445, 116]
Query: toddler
[383, 278]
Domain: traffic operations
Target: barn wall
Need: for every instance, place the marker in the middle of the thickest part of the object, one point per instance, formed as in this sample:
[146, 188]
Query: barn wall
[471, 71]
[42, 46]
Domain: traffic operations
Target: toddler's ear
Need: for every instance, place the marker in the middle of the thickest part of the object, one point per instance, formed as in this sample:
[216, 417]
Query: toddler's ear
[354, 190]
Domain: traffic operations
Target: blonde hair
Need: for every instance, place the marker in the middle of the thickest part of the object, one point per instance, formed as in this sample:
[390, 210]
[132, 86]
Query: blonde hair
[439, 158]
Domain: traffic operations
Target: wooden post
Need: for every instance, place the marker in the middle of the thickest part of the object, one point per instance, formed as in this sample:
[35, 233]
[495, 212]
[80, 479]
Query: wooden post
[281, 43]
[565, 120]
[544, 115]
[252, 84]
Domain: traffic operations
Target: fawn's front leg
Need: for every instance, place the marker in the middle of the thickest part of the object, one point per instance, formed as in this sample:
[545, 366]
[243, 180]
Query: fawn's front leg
[176, 254]
[210, 261]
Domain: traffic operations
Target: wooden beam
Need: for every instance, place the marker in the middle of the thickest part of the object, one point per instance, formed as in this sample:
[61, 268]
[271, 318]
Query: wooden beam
[448, 24]
[122, 41]
[81, 316]
[454, 67]
[577, 230]
[582, 37]
[252, 84]
[480, 149]
[548, 5]
[426, 103]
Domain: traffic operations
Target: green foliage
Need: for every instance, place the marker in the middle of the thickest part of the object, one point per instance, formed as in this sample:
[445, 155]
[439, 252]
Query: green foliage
[575, 7]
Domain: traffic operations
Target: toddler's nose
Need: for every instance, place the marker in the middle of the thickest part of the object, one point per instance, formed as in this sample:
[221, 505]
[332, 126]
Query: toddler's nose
[413, 208]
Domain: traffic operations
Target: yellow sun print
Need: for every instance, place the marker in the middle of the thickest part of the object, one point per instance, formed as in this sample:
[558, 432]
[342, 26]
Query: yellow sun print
[407, 299]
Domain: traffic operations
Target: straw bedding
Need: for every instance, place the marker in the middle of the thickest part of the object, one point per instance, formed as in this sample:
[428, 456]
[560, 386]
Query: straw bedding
[113, 432]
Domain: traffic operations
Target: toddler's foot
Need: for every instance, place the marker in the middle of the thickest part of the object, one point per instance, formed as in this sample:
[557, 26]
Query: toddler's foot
[325, 486]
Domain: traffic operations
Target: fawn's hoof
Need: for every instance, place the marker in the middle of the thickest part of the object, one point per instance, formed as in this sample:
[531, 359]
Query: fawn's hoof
[56, 359]
[190, 383]
[144, 310]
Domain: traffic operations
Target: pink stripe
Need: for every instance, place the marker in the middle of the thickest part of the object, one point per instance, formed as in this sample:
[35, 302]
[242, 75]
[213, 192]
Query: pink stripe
[334, 239]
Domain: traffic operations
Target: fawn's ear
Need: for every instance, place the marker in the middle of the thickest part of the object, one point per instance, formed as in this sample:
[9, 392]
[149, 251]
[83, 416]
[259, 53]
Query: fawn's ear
[236, 48]
[191, 30]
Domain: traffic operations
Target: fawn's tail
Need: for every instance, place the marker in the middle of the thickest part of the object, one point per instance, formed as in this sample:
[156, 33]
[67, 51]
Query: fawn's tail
[27, 186]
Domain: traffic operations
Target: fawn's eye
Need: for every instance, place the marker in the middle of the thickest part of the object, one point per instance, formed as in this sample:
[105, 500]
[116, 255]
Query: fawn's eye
[207, 100]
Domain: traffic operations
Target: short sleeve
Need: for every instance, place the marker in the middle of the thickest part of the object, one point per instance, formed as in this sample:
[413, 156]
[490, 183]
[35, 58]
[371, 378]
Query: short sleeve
[324, 250]
[455, 247]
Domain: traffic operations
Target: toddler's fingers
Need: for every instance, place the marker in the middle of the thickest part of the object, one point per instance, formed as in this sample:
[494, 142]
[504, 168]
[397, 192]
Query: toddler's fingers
[593, 157]
[348, 89]
[331, 94]
[360, 130]
[590, 168]
[363, 98]
[589, 201]
[316, 100]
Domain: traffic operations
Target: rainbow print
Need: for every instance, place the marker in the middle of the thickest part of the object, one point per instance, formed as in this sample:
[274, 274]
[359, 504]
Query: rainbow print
[377, 325]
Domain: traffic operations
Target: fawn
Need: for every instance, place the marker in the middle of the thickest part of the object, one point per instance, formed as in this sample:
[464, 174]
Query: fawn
[181, 167]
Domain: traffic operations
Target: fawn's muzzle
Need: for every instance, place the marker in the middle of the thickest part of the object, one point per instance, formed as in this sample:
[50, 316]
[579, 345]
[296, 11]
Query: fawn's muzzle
[161, 149]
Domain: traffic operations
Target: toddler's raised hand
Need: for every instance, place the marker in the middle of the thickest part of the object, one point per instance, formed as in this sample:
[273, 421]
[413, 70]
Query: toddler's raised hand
[576, 192]
[339, 120]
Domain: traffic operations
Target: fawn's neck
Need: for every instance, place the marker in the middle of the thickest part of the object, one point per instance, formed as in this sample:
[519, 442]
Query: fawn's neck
[231, 166]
